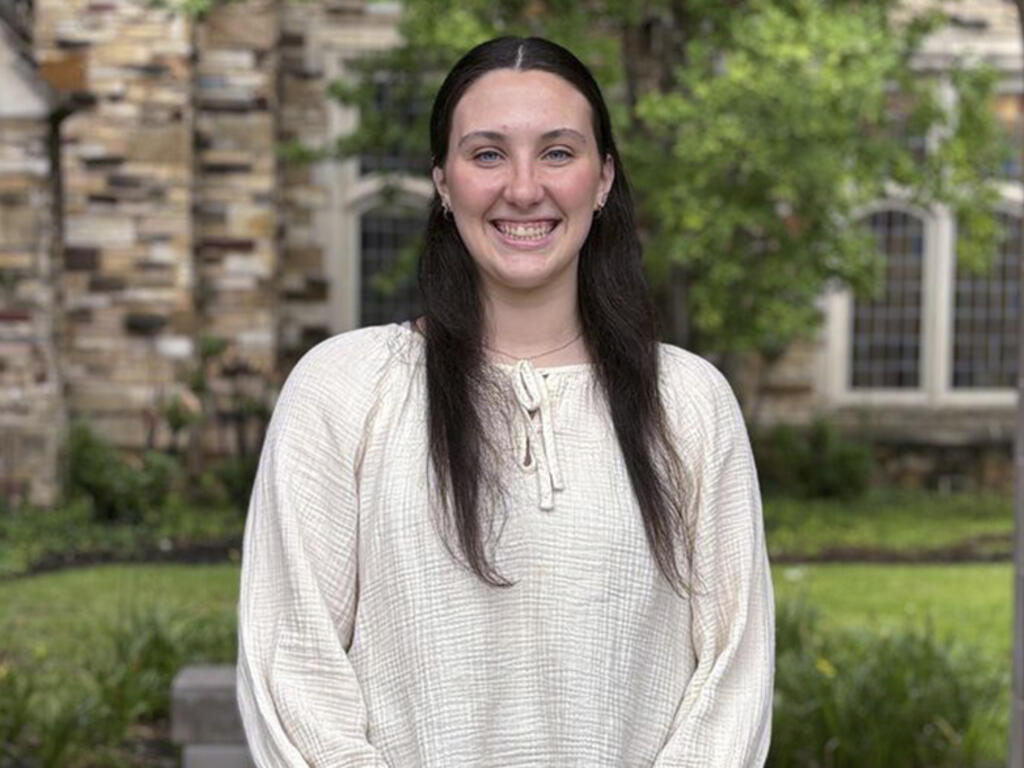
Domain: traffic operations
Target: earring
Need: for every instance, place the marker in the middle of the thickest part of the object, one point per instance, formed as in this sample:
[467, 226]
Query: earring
[599, 208]
[446, 209]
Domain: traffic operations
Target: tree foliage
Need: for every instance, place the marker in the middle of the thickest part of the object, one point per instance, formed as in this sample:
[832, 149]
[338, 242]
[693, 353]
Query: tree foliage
[756, 134]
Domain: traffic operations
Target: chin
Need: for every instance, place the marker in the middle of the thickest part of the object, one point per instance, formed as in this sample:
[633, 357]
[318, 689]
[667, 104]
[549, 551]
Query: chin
[527, 279]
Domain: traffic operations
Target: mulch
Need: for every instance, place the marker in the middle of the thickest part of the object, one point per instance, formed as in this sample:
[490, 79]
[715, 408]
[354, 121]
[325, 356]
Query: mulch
[991, 548]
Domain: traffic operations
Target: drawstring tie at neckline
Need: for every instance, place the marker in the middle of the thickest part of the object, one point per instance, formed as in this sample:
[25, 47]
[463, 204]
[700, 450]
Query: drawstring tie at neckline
[536, 451]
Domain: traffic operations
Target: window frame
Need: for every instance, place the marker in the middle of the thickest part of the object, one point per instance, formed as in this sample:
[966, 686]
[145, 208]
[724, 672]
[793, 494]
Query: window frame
[938, 285]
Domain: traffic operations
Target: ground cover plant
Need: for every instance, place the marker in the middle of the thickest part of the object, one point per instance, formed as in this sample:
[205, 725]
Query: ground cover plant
[69, 534]
[902, 698]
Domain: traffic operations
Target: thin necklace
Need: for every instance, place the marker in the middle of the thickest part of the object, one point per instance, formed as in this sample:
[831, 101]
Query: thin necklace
[538, 356]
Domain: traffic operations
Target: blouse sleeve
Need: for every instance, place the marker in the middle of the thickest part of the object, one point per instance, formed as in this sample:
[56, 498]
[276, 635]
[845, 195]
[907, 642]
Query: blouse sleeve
[724, 717]
[300, 701]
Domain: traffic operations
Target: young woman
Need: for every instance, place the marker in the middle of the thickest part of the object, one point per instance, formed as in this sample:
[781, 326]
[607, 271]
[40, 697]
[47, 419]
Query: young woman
[517, 531]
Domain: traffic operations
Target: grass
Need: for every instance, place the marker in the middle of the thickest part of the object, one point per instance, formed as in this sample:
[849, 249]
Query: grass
[968, 602]
[56, 620]
[891, 524]
[57, 615]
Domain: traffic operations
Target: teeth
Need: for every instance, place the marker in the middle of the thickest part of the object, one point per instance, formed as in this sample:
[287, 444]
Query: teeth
[526, 231]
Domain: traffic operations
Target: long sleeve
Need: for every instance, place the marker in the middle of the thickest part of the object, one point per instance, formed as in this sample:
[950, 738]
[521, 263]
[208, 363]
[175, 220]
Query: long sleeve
[724, 717]
[298, 695]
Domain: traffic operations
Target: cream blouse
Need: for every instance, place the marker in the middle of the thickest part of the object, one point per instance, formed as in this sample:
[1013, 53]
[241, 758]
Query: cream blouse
[363, 643]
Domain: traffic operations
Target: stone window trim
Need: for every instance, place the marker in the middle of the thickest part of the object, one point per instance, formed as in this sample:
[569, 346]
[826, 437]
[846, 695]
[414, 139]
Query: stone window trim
[939, 279]
[354, 199]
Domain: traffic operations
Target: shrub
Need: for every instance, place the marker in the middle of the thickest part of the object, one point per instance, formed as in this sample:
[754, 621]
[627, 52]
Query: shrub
[812, 462]
[235, 475]
[118, 490]
[902, 699]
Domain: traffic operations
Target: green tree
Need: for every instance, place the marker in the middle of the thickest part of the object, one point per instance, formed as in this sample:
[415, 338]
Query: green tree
[754, 132]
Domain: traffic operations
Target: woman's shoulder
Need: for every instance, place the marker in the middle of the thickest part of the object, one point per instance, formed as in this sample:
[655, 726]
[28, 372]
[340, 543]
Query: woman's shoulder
[686, 371]
[696, 393]
[350, 366]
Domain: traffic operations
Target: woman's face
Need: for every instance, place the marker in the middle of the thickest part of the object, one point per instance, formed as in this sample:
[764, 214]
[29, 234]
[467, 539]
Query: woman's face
[523, 177]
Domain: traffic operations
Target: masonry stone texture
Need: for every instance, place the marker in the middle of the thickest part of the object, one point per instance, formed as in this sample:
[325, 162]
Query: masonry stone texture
[145, 207]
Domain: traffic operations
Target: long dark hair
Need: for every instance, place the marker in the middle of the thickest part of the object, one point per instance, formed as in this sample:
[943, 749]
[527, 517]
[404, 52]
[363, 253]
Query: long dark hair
[619, 330]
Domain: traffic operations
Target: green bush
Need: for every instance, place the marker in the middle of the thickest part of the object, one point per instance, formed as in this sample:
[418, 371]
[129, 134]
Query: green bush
[235, 475]
[68, 534]
[119, 490]
[812, 462]
[896, 700]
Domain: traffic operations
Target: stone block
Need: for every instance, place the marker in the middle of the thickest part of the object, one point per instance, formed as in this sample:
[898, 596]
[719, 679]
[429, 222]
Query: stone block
[170, 144]
[213, 61]
[85, 259]
[251, 25]
[174, 347]
[304, 257]
[216, 756]
[86, 230]
[203, 706]
[66, 73]
[16, 260]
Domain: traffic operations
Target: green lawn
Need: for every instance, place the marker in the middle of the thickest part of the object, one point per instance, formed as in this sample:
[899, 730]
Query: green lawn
[56, 614]
[55, 620]
[904, 523]
[967, 602]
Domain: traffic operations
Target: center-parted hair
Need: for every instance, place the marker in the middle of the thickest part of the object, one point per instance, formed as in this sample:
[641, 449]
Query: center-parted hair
[618, 322]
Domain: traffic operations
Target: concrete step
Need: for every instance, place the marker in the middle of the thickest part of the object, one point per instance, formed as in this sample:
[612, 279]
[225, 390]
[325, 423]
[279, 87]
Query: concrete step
[203, 706]
[216, 756]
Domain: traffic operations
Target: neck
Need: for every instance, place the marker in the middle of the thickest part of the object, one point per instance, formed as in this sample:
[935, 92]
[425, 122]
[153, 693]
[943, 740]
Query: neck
[527, 324]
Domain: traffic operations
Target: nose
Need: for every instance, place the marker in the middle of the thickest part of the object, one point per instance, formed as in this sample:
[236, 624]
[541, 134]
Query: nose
[523, 188]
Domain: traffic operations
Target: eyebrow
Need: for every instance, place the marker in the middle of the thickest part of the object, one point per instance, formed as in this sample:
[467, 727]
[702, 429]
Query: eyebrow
[557, 133]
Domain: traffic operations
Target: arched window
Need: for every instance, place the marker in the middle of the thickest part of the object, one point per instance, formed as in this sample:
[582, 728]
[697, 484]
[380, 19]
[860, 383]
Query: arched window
[388, 291]
[985, 317]
[886, 349]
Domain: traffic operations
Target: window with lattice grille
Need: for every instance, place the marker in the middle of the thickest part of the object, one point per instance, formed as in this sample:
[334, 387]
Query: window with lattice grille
[985, 310]
[886, 349]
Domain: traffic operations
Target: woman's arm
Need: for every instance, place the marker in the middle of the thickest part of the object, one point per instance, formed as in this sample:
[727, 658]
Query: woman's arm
[299, 698]
[724, 718]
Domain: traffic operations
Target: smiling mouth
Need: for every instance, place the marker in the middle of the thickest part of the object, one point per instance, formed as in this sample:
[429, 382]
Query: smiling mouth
[526, 230]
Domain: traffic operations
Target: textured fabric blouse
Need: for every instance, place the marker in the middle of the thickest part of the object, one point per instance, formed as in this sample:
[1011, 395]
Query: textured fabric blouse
[362, 642]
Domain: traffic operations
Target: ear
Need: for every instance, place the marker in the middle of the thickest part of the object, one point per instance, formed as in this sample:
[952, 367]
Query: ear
[440, 184]
[607, 177]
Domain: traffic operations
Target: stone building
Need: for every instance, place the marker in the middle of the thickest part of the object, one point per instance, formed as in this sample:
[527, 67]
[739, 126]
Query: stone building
[143, 208]
[928, 373]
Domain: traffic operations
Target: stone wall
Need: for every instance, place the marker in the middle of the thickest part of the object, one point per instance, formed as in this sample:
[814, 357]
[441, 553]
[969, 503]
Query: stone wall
[236, 177]
[127, 278]
[31, 412]
[173, 221]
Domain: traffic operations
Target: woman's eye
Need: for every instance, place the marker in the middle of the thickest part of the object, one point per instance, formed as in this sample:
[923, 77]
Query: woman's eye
[558, 154]
[487, 156]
